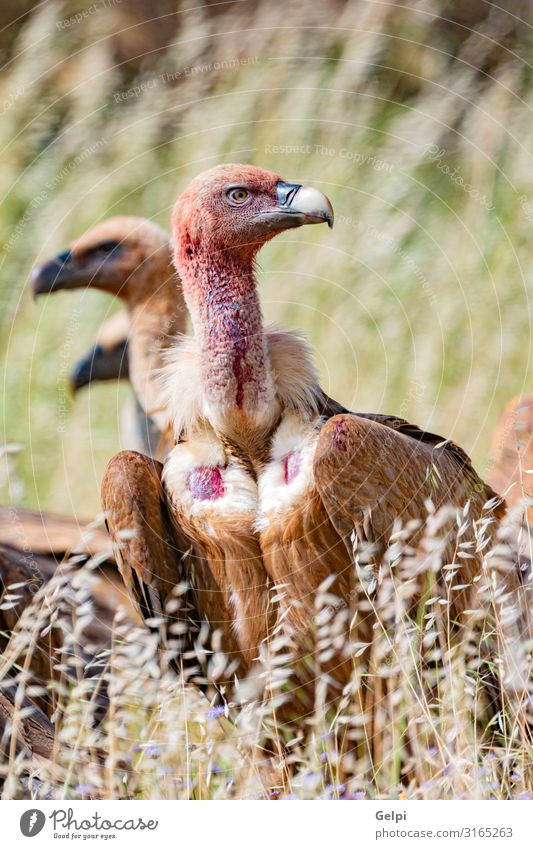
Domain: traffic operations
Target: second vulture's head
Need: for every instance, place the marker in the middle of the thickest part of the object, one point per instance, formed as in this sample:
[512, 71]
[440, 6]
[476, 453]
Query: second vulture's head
[233, 209]
[125, 256]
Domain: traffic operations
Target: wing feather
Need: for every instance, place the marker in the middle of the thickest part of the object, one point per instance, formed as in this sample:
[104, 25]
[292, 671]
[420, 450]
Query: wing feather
[371, 470]
[148, 551]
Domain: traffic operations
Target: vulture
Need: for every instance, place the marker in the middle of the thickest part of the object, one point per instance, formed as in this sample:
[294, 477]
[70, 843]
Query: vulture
[512, 453]
[130, 258]
[271, 484]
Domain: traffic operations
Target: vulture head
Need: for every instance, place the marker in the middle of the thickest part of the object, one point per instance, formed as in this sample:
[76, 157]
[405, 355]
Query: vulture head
[220, 222]
[234, 209]
[124, 256]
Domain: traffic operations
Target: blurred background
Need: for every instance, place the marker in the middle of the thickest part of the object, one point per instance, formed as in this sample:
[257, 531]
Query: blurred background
[414, 117]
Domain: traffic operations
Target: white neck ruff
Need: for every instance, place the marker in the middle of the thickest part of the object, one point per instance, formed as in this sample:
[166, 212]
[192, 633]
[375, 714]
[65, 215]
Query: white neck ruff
[295, 382]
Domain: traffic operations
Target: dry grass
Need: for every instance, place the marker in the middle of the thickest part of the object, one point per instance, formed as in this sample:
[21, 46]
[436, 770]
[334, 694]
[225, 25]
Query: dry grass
[416, 304]
[433, 710]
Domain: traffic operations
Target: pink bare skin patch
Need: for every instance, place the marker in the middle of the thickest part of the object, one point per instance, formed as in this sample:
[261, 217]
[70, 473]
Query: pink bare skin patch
[206, 484]
[291, 466]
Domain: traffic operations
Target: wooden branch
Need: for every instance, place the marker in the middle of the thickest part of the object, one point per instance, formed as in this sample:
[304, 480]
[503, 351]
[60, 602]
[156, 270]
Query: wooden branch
[34, 733]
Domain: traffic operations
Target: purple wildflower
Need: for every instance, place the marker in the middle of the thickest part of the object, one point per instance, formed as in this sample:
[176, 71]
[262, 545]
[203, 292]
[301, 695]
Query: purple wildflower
[338, 789]
[311, 779]
[84, 789]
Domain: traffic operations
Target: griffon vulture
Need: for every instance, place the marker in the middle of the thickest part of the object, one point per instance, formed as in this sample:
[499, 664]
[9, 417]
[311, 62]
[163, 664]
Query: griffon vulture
[270, 481]
[128, 257]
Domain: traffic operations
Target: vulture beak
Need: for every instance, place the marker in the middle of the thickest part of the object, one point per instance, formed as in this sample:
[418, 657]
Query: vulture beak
[57, 273]
[100, 364]
[297, 205]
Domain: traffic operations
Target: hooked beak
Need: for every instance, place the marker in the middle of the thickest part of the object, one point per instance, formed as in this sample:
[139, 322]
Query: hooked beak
[57, 273]
[297, 205]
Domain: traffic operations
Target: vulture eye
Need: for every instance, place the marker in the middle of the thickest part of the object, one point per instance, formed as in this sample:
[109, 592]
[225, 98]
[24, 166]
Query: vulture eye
[238, 196]
[102, 248]
[107, 247]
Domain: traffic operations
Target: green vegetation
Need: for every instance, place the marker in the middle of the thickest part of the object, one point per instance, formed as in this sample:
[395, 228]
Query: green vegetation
[417, 303]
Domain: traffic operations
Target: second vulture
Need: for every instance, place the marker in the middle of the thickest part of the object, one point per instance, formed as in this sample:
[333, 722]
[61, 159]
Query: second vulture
[128, 257]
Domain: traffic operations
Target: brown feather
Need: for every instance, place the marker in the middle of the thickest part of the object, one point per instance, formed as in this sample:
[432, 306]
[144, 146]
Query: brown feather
[151, 551]
[145, 549]
[230, 582]
[370, 474]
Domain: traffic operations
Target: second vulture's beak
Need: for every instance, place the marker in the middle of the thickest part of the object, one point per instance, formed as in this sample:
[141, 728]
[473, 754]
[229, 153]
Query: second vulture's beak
[57, 273]
[297, 205]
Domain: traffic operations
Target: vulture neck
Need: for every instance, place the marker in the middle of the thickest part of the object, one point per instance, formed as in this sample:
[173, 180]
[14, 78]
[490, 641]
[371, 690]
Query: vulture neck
[234, 367]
